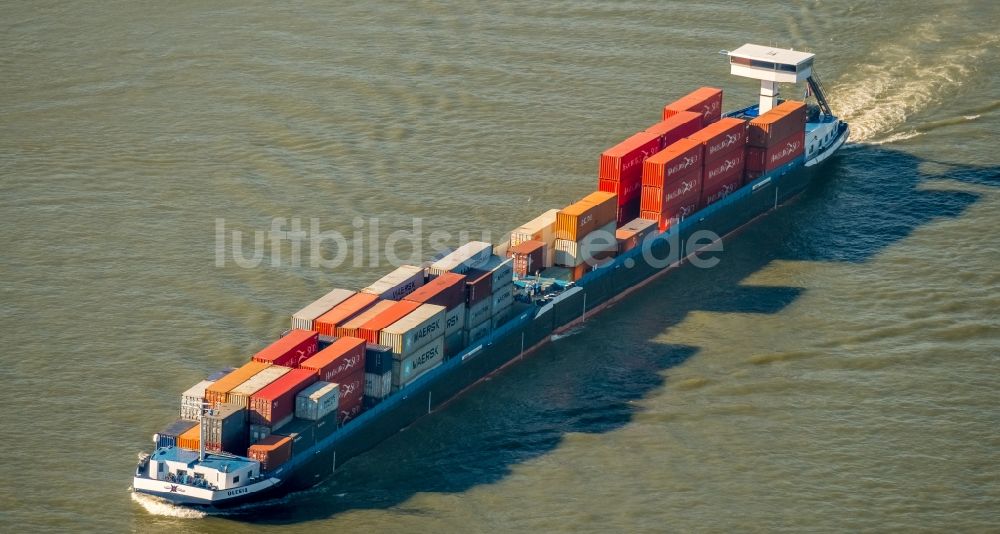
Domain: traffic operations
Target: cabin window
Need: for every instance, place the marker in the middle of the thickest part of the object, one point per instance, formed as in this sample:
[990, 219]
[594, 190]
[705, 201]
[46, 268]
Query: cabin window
[182, 472]
[159, 467]
[762, 64]
[198, 476]
[236, 479]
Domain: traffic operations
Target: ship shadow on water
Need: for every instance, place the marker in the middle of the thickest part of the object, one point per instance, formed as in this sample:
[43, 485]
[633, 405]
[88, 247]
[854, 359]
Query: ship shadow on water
[591, 381]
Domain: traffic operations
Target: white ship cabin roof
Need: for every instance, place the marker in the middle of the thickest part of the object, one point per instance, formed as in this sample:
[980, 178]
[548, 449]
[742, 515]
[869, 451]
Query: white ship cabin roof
[216, 471]
[770, 63]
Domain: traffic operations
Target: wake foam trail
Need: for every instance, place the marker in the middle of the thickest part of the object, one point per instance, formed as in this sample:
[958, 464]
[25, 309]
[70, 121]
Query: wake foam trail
[163, 508]
[886, 94]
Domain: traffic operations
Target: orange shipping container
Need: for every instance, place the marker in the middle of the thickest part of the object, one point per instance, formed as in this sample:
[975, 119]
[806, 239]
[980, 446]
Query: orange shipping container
[291, 349]
[723, 137]
[370, 330]
[191, 439]
[579, 219]
[778, 124]
[707, 101]
[623, 162]
[218, 392]
[327, 323]
[272, 452]
[683, 157]
[350, 328]
[676, 127]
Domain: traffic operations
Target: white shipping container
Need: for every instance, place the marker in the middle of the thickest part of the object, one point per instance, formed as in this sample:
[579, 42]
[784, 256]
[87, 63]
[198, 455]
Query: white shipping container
[500, 269]
[454, 319]
[317, 400]
[417, 363]
[477, 333]
[241, 394]
[304, 318]
[414, 330]
[192, 400]
[502, 298]
[397, 284]
[541, 228]
[500, 316]
[378, 386]
[476, 314]
[501, 249]
[573, 253]
[465, 257]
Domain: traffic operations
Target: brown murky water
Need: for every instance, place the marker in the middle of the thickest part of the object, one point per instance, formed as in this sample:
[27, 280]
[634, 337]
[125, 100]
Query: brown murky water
[837, 370]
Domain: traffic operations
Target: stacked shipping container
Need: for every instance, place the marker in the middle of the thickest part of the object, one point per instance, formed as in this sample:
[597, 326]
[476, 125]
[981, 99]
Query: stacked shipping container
[352, 328]
[447, 290]
[274, 405]
[465, 257]
[529, 258]
[724, 148]
[776, 138]
[193, 400]
[620, 172]
[409, 338]
[218, 392]
[706, 101]
[397, 284]
[671, 182]
[541, 228]
[595, 212]
[305, 317]
[291, 350]
[327, 323]
[674, 128]
[378, 374]
[343, 363]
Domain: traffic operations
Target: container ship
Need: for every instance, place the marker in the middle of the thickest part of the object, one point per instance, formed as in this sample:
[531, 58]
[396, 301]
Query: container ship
[357, 366]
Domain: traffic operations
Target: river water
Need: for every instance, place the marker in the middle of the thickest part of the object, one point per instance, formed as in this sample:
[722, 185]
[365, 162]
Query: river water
[836, 371]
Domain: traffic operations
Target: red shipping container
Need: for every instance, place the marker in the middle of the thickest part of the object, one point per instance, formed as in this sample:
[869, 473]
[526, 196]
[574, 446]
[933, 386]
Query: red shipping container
[781, 122]
[628, 212]
[679, 158]
[447, 290]
[720, 189]
[725, 167]
[681, 198]
[628, 209]
[327, 323]
[289, 351]
[780, 153]
[478, 286]
[626, 191]
[343, 357]
[352, 390]
[529, 257]
[706, 101]
[370, 330]
[272, 452]
[276, 402]
[676, 127]
[722, 137]
[682, 209]
[681, 189]
[623, 162]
